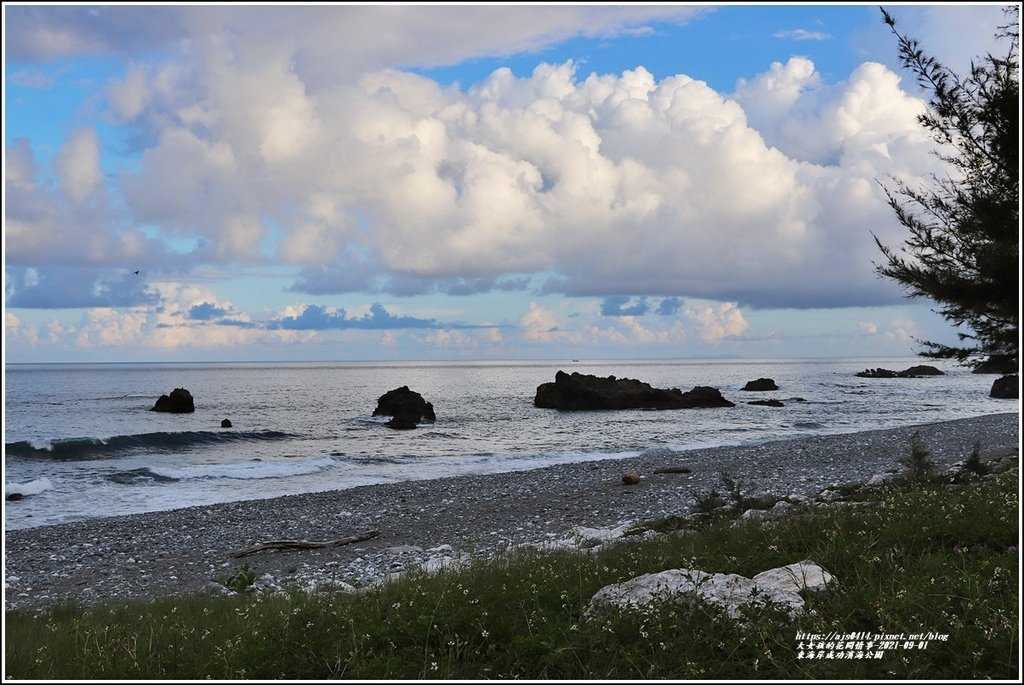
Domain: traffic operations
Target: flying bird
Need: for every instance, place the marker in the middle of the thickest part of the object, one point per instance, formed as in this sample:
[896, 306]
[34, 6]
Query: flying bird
[136, 273]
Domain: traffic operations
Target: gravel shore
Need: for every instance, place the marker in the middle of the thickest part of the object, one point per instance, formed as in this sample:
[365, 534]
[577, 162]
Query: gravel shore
[181, 551]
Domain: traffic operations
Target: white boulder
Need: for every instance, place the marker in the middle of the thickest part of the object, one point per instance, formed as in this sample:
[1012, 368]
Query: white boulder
[803, 575]
[882, 479]
[588, 537]
[778, 586]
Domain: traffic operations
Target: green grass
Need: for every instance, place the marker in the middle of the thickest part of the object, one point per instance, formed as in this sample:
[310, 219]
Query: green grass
[926, 558]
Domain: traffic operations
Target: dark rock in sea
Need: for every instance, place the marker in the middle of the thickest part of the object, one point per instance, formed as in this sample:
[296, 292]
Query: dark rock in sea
[403, 422]
[877, 373]
[996, 363]
[179, 402]
[1005, 388]
[761, 384]
[630, 478]
[912, 372]
[921, 370]
[581, 392]
[14, 497]
[767, 403]
[405, 407]
[225, 423]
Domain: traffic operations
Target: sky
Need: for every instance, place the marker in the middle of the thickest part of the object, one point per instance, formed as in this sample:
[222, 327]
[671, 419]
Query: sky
[492, 181]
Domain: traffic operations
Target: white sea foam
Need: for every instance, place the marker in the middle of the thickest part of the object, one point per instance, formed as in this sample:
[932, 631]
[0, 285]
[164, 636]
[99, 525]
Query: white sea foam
[33, 487]
[249, 470]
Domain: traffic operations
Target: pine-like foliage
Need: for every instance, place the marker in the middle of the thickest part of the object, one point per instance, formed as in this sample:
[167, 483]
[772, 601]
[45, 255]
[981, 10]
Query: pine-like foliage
[963, 251]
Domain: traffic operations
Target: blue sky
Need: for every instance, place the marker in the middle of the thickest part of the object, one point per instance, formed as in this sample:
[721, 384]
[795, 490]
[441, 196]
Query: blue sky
[187, 182]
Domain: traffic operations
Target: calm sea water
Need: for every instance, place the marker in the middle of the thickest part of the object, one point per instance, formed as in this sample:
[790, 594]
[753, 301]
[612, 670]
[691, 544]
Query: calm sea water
[81, 442]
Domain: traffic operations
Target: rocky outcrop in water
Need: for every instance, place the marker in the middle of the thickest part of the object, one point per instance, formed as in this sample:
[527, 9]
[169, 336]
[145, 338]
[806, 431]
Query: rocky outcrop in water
[912, 372]
[405, 407]
[1005, 388]
[767, 403]
[581, 392]
[760, 385]
[178, 402]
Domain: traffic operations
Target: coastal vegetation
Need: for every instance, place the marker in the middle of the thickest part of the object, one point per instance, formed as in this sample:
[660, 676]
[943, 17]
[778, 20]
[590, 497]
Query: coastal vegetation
[963, 247]
[916, 556]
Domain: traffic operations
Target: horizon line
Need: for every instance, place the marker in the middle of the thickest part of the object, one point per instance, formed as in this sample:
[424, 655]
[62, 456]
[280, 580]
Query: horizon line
[580, 360]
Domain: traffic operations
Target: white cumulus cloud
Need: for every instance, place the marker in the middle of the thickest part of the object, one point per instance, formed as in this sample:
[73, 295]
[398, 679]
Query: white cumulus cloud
[868, 327]
[540, 323]
[715, 322]
[694, 192]
[78, 164]
[321, 154]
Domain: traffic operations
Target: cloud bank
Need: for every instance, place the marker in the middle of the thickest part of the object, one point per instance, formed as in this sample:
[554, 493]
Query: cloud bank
[318, 318]
[321, 156]
[598, 186]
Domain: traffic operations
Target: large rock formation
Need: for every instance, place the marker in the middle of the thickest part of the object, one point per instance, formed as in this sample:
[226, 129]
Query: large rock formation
[580, 392]
[912, 372]
[405, 407]
[1005, 388]
[178, 402]
[778, 586]
[761, 384]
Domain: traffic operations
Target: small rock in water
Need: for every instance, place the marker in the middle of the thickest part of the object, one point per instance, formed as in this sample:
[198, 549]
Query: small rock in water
[405, 407]
[1005, 388]
[225, 423]
[178, 402]
[760, 385]
[630, 478]
[912, 372]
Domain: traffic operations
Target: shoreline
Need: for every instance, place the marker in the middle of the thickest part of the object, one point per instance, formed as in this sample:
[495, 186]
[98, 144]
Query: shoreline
[180, 551]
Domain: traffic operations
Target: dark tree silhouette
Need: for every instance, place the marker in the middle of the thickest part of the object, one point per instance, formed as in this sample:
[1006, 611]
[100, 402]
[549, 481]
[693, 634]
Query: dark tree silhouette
[963, 251]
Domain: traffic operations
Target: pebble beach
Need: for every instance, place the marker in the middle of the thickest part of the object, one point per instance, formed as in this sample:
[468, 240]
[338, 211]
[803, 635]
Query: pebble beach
[181, 551]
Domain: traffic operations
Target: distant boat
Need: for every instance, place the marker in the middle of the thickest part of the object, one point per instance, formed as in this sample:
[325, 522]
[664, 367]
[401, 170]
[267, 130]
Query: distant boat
[575, 360]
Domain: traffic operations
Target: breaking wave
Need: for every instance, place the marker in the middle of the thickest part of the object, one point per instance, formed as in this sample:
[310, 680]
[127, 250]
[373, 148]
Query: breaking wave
[248, 470]
[80, 449]
[33, 487]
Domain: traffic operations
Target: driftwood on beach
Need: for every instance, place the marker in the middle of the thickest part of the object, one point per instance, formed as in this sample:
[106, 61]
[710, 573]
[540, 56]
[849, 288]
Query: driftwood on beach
[304, 544]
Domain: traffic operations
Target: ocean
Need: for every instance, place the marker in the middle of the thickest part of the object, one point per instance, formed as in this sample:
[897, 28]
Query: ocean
[80, 441]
